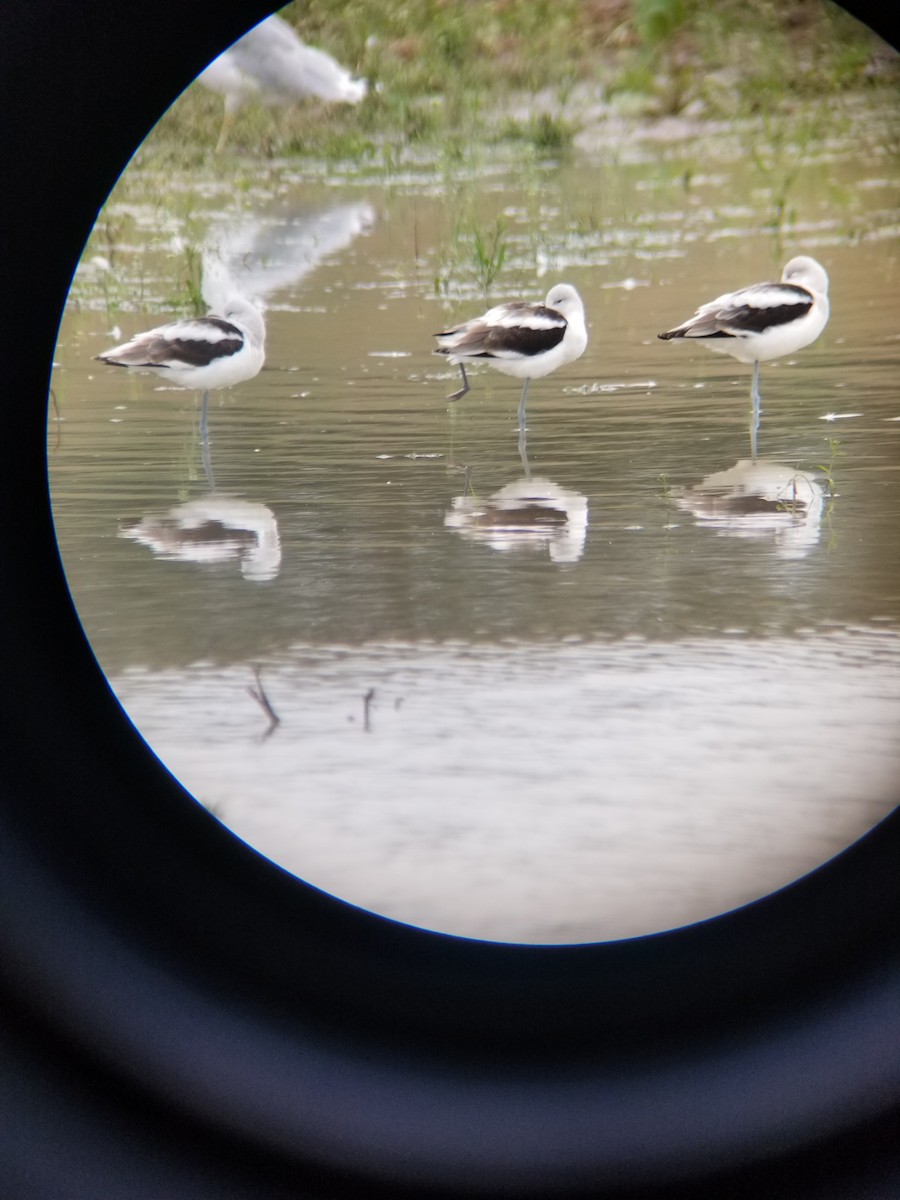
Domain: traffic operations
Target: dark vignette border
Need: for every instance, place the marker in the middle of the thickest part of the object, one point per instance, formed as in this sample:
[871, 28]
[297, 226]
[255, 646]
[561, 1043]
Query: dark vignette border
[183, 1019]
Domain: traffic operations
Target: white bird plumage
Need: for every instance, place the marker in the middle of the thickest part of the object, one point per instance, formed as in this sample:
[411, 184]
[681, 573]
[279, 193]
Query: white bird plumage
[199, 352]
[520, 339]
[206, 353]
[764, 321]
[272, 66]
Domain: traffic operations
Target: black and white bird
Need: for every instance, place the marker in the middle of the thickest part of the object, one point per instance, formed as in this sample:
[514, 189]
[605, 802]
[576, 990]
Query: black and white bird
[763, 321]
[205, 353]
[525, 340]
[199, 352]
[272, 66]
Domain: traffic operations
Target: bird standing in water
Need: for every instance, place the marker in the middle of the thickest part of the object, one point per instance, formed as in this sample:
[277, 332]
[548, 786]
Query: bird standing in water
[525, 340]
[199, 352]
[205, 353]
[764, 321]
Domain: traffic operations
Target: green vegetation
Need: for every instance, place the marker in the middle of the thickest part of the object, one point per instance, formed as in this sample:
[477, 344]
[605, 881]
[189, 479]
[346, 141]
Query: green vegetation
[741, 57]
[193, 278]
[460, 87]
[442, 72]
[545, 132]
[827, 469]
[472, 255]
[489, 258]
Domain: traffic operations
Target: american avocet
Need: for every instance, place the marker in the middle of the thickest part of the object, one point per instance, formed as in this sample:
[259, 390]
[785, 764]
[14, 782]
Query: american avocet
[520, 339]
[272, 66]
[763, 321]
[200, 352]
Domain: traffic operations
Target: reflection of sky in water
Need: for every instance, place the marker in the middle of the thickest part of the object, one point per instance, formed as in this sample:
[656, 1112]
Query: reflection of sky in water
[543, 792]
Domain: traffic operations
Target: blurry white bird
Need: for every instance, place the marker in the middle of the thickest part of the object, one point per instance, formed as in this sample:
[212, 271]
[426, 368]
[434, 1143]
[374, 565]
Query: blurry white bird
[520, 339]
[763, 321]
[272, 66]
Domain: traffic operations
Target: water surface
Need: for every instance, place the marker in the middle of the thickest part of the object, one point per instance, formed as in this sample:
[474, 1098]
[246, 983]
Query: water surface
[624, 680]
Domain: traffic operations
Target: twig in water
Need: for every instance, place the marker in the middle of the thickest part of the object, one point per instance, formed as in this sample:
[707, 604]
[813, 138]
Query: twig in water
[259, 695]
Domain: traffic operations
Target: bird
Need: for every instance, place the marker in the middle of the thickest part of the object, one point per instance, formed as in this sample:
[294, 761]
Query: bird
[199, 352]
[206, 353]
[525, 340]
[271, 65]
[763, 321]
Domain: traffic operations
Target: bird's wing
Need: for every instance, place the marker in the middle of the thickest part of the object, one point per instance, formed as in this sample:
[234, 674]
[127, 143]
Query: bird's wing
[281, 63]
[184, 343]
[750, 310]
[511, 331]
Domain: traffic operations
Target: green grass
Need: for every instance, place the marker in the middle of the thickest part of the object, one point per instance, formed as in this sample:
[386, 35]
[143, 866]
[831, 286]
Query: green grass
[439, 69]
[547, 133]
[457, 84]
[827, 468]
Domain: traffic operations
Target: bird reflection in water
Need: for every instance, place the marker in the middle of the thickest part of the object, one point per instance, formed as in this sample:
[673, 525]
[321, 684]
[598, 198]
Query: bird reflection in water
[527, 514]
[274, 249]
[759, 499]
[214, 529]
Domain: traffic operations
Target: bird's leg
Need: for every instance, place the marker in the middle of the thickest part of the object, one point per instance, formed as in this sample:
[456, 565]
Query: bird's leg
[522, 407]
[465, 387]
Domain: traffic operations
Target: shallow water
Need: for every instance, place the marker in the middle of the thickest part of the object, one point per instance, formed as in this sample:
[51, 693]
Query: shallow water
[623, 681]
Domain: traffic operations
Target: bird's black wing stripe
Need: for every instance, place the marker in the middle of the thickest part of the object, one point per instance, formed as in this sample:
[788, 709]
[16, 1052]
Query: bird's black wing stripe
[751, 319]
[501, 341]
[195, 352]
